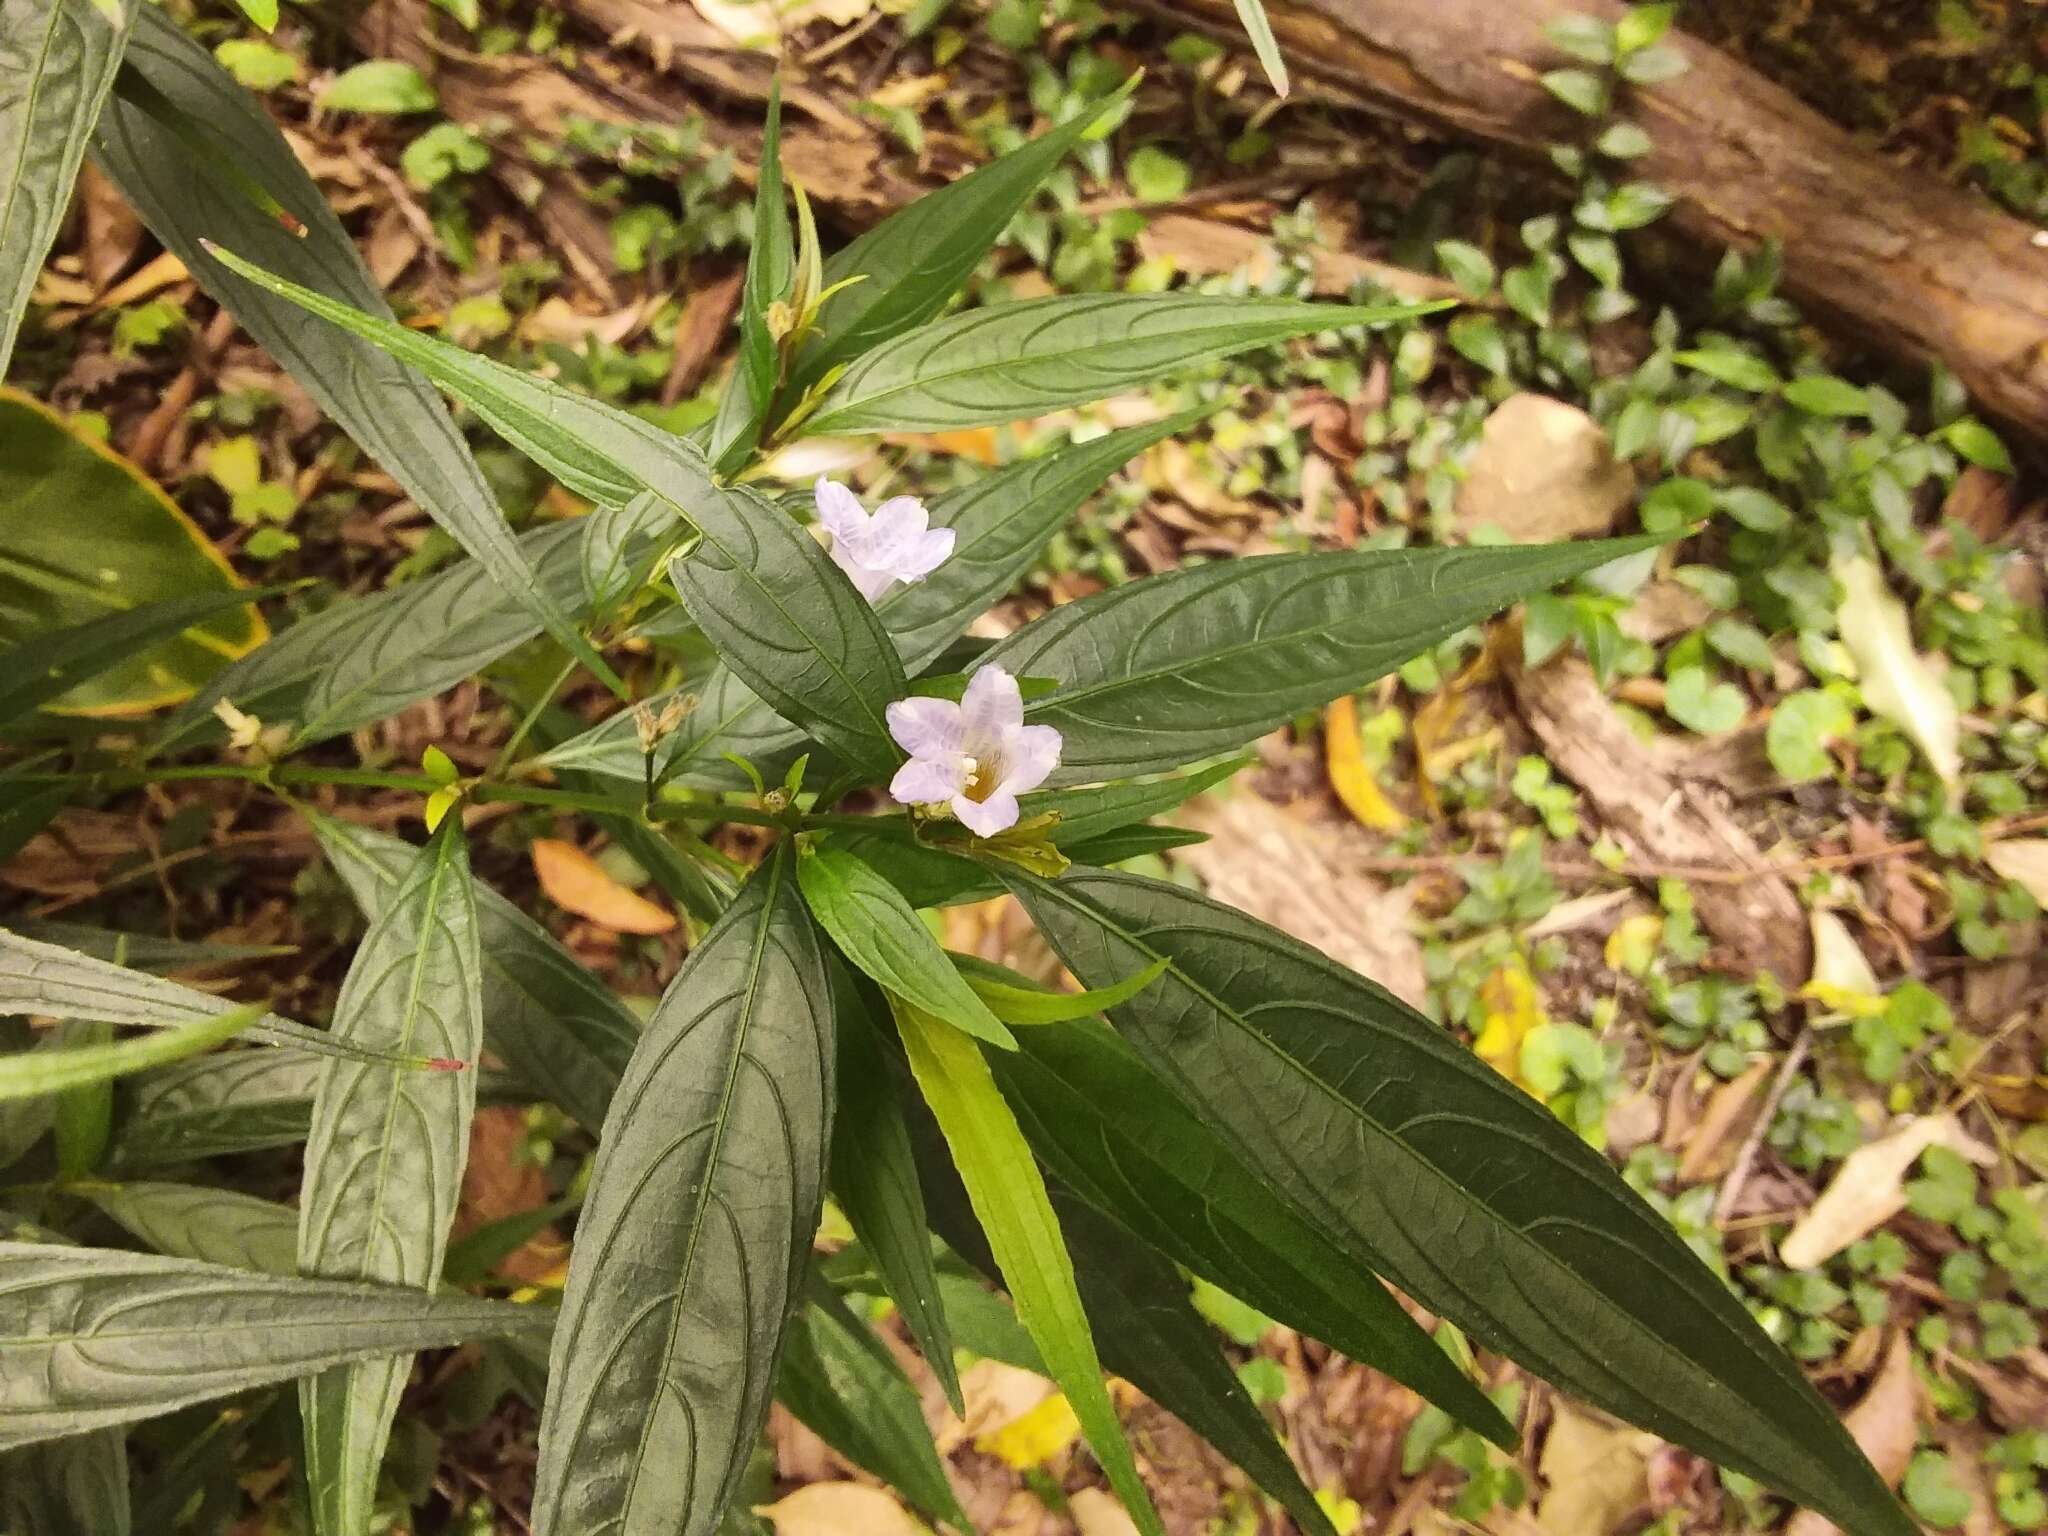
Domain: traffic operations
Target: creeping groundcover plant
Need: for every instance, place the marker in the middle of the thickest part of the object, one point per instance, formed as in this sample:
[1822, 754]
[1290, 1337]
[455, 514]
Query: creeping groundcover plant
[1220, 1100]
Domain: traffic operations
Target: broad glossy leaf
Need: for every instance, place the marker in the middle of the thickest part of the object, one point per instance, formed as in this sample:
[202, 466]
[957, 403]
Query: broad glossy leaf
[915, 260]
[1206, 658]
[1114, 1133]
[39, 1074]
[787, 620]
[547, 1017]
[74, 1487]
[214, 1226]
[695, 1233]
[113, 614]
[95, 1338]
[37, 978]
[1422, 1163]
[384, 1160]
[57, 63]
[843, 1382]
[1010, 361]
[1000, 524]
[1166, 1349]
[1010, 1202]
[229, 1101]
[874, 1180]
[195, 182]
[750, 390]
[366, 658]
[886, 941]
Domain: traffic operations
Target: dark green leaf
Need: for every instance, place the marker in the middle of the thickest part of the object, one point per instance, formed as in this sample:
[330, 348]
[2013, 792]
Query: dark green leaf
[52, 665]
[74, 1487]
[197, 180]
[1114, 1133]
[874, 1179]
[1204, 659]
[26, 812]
[1000, 523]
[787, 620]
[366, 658]
[749, 392]
[214, 1226]
[1010, 361]
[100, 1338]
[842, 1382]
[57, 64]
[561, 1029]
[876, 929]
[695, 1234]
[230, 1101]
[1010, 1202]
[912, 262]
[384, 1160]
[1430, 1168]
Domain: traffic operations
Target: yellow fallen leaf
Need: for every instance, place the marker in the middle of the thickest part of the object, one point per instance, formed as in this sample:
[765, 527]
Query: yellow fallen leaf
[1350, 775]
[576, 882]
[1034, 1438]
[1511, 1008]
[1896, 680]
[1869, 1189]
[1842, 980]
[838, 1509]
[1595, 1474]
[994, 1394]
[2023, 859]
[974, 443]
[1633, 944]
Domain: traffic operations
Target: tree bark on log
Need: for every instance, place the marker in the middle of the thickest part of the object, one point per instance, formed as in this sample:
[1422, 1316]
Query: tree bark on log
[1917, 268]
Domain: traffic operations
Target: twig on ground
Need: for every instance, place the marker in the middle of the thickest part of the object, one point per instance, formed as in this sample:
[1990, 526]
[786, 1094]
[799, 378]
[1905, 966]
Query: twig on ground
[1745, 1156]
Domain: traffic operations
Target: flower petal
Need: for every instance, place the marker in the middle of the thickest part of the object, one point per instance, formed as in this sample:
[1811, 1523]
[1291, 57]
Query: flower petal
[869, 582]
[931, 551]
[929, 780]
[985, 818]
[1030, 752]
[904, 513]
[992, 704]
[926, 727]
[839, 510]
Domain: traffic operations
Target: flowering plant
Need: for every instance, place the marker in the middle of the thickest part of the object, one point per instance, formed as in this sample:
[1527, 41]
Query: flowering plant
[1251, 1112]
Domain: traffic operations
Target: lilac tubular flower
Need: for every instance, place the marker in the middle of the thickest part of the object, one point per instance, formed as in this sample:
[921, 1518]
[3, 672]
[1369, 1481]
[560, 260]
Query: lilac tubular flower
[975, 756]
[895, 542]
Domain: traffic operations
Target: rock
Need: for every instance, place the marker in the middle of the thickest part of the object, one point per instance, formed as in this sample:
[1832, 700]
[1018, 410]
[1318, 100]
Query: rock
[1543, 470]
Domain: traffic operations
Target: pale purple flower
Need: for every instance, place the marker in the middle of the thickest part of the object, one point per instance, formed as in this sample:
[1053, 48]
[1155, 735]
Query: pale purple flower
[975, 756]
[896, 542]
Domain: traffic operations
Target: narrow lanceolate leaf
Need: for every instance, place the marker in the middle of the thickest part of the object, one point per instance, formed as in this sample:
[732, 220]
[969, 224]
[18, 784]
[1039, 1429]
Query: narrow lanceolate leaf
[39, 1074]
[874, 1180]
[229, 1101]
[58, 59]
[1403, 1148]
[93, 1338]
[365, 658]
[51, 665]
[1010, 361]
[220, 170]
[1207, 658]
[1114, 1133]
[558, 1027]
[787, 620]
[876, 929]
[839, 1379]
[74, 1487]
[384, 1161]
[214, 1226]
[47, 979]
[1252, 13]
[1017, 999]
[749, 392]
[1000, 524]
[1166, 1350]
[915, 260]
[1009, 1200]
[693, 1241]
[25, 810]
